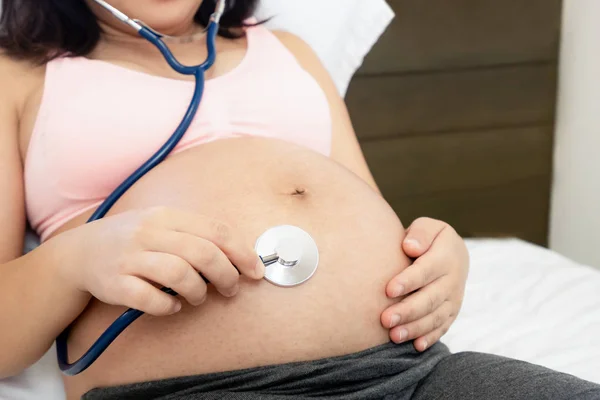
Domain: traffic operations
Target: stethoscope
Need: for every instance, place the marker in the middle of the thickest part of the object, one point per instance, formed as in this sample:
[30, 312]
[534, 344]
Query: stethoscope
[289, 253]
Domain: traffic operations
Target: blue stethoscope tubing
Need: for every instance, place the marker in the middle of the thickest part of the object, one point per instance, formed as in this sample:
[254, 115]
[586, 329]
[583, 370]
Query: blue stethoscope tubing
[128, 317]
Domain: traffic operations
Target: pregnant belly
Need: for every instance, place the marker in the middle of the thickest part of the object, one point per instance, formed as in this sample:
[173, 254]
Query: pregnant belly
[253, 185]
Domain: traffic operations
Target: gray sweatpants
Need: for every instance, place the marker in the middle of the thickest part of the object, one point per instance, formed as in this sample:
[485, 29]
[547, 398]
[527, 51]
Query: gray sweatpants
[385, 372]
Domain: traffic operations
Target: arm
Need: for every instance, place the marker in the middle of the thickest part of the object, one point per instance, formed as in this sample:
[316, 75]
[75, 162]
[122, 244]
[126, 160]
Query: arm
[34, 304]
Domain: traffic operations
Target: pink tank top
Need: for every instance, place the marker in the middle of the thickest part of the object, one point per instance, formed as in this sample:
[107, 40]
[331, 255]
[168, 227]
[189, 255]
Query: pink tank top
[98, 122]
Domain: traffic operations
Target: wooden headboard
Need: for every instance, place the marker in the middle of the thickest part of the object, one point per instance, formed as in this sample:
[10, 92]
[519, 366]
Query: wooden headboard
[455, 111]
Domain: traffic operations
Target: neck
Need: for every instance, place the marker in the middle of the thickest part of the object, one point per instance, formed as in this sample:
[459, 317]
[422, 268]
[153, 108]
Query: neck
[128, 37]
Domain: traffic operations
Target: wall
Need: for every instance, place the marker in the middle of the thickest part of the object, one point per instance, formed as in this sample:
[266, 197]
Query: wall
[455, 111]
[575, 222]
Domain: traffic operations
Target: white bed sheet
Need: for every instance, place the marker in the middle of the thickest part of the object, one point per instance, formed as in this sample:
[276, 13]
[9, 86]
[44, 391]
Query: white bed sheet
[529, 303]
[522, 301]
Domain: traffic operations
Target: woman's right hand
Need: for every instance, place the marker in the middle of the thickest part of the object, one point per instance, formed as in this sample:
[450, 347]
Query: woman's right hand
[117, 259]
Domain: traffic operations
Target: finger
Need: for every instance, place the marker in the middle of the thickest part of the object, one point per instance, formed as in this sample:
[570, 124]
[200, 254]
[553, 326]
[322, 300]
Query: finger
[141, 295]
[417, 305]
[423, 326]
[421, 273]
[173, 272]
[204, 256]
[421, 235]
[231, 243]
[424, 342]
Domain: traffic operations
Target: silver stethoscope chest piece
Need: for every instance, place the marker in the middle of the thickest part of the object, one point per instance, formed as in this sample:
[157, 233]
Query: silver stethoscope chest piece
[290, 255]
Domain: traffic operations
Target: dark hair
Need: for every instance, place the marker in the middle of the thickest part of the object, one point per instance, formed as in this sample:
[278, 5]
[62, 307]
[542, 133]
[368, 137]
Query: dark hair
[41, 30]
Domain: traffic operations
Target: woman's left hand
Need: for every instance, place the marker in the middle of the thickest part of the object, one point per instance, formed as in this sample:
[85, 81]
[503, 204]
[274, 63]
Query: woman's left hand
[434, 284]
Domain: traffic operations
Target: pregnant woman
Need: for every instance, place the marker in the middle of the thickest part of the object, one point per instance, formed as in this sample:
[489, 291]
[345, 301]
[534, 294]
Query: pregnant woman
[85, 101]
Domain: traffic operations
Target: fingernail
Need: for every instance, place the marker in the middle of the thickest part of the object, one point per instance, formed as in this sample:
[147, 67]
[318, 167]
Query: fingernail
[412, 242]
[395, 320]
[259, 270]
[398, 291]
[233, 291]
[425, 344]
[177, 307]
[403, 335]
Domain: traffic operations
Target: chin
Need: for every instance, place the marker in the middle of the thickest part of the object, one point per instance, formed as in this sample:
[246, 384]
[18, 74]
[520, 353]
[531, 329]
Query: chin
[168, 16]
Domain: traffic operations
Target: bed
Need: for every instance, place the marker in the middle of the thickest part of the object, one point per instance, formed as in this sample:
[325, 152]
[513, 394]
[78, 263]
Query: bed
[526, 302]
[456, 122]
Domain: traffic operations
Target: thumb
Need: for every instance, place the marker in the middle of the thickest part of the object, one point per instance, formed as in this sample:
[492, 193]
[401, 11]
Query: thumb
[420, 236]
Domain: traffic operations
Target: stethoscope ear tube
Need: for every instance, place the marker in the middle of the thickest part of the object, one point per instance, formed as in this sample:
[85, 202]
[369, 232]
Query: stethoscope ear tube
[127, 318]
[174, 140]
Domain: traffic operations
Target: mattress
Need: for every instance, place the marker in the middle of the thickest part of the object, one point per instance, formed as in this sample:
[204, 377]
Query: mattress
[529, 303]
[522, 301]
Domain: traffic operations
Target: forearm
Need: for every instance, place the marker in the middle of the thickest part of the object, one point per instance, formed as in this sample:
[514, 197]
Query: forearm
[36, 304]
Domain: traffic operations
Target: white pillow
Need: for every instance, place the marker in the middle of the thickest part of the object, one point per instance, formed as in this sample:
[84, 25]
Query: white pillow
[342, 32]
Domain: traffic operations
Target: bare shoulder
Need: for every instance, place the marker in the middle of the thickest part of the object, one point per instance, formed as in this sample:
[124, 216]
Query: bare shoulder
[20, 68]
[300, 49]
[307, 58]
[18, 79]
[292, 41]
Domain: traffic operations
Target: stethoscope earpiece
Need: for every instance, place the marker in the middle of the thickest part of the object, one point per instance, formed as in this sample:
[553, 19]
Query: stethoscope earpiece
[229, 5]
